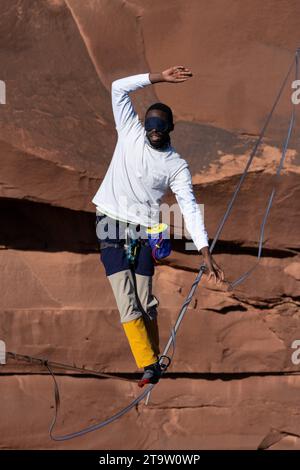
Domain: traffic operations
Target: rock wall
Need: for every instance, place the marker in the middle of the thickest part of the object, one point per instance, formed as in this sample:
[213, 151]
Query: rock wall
[232, 383]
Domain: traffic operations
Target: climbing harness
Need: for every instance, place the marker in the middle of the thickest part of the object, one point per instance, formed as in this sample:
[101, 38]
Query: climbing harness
[132, 247]
[158, 241]
[156, 238]
[171, 342]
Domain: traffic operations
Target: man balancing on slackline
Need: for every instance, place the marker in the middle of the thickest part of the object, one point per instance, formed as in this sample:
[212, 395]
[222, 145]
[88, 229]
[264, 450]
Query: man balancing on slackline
[143, 166]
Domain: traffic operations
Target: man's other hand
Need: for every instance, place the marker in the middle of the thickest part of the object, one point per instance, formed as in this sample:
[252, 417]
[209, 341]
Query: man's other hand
[211, 268]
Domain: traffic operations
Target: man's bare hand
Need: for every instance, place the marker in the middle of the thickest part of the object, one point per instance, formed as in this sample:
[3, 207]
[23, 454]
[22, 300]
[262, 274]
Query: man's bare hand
[177, 74]
[211, 268]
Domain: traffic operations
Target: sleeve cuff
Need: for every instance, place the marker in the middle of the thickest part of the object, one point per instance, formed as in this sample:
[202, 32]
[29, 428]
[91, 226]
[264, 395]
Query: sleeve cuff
[147, 78]
[201, 242]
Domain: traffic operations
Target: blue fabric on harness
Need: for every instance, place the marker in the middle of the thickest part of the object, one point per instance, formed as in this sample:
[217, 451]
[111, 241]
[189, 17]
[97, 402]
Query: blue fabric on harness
[161, 247]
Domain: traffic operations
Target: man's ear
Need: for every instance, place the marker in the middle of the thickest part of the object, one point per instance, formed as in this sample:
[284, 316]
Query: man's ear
[171, 127]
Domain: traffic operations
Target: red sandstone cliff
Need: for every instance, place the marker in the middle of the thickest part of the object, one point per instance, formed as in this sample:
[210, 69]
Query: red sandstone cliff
[232, 382]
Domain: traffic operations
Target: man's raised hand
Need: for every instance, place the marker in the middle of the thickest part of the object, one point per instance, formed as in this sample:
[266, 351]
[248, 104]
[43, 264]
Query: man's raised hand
[177, 74]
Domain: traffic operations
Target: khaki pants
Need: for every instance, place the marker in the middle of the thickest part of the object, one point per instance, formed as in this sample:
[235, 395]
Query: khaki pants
[123, 286]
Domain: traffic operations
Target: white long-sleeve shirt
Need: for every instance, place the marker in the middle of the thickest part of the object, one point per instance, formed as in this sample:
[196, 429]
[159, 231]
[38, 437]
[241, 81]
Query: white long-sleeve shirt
[139, 175]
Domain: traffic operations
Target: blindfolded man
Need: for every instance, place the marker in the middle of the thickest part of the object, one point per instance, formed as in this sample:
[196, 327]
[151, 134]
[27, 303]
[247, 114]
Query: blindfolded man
[143, 166]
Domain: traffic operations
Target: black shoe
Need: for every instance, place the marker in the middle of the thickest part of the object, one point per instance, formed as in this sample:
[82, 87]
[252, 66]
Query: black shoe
[151, 374]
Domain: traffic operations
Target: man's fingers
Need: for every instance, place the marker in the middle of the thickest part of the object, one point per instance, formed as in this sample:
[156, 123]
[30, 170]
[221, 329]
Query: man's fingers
[182, 75]
[216, 275]
[220, 275]
[184, 72]
[220, 272]
[214, 270]
[180, 67]
[179, 73]
[181, 70]
[212, 274]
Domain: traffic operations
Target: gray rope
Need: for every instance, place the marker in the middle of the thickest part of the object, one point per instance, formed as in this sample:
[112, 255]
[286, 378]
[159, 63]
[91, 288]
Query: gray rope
[60, 365]
[253, 153]
[279, 168]
[173, 343]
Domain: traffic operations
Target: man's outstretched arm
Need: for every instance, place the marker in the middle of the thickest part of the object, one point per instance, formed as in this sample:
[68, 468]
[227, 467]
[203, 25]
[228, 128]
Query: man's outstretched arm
[182, 187]
[124, 113]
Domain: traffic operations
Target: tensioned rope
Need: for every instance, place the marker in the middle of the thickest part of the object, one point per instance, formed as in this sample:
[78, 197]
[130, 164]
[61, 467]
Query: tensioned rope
[279, 168]
[171, 341]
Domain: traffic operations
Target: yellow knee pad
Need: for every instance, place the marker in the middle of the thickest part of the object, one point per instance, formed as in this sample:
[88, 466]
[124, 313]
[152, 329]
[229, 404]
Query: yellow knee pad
[140, 342]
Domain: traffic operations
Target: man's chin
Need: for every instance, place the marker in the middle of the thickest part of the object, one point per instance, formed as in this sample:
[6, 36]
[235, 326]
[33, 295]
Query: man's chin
[157, 143]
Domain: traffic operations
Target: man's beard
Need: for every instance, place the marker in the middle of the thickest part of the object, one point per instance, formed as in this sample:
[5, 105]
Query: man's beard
[162, 143]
